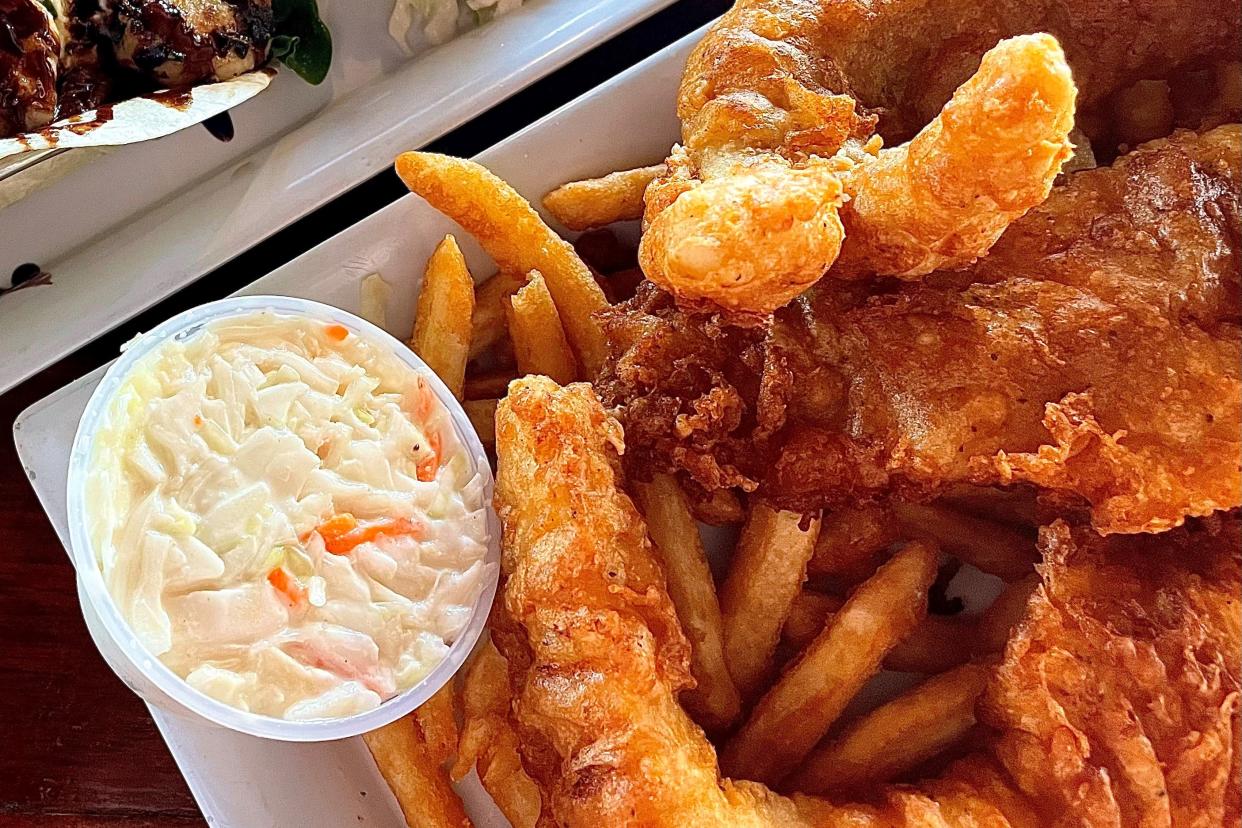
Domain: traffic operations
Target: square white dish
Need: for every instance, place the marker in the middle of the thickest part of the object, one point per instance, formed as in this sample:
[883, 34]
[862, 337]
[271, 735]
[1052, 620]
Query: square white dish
[243, 781]
[127, 226]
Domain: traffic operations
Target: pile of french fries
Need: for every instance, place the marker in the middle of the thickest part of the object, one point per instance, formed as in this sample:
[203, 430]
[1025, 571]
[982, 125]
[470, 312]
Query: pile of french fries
[811, 608]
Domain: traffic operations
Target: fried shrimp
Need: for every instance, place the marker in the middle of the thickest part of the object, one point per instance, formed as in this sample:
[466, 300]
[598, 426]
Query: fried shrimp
[597, 658]
[943, 199]
[747, 216]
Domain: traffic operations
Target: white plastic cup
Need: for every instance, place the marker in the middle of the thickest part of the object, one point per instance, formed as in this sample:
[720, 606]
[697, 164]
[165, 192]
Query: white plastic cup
[143, 672]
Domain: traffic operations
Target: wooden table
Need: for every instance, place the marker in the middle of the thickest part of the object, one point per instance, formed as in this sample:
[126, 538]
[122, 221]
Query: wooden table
[80, 750]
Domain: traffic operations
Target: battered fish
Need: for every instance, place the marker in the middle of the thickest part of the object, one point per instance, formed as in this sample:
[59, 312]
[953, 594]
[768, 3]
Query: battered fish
[1094, 352]
[597, 659]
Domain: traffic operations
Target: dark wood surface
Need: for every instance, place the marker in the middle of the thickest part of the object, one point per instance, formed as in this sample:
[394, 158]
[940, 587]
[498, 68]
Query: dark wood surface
[79, 750]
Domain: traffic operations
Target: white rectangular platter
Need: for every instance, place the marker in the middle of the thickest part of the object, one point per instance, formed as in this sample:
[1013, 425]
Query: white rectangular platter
[134, 224]
[241, 781]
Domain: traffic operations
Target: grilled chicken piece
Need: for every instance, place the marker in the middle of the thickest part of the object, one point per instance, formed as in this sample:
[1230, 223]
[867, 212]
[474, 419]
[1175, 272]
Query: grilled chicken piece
[30, 45]
[183, 42]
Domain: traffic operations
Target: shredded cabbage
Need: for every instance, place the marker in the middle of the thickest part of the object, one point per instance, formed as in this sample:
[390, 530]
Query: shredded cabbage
[442, 19]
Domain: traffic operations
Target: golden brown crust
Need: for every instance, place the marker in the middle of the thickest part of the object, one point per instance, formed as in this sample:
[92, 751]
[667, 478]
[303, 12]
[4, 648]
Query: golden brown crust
[1109, 312]
[596, 659]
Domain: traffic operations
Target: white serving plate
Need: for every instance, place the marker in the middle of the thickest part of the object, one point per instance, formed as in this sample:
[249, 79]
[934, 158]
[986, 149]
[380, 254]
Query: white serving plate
[127, 226]
[241, 781]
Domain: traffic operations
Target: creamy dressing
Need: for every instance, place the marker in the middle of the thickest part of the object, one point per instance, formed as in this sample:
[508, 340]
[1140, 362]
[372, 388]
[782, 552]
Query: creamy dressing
[285, 517]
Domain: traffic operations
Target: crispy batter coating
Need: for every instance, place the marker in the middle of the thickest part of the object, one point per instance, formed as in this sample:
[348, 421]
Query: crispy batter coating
[745, 228]
[1117, 701]
[943, 199]
[597, 658]
[1094, 352]
[783, 82]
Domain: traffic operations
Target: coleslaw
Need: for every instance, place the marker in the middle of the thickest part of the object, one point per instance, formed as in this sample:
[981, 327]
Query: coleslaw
[282, 513]
[441, 20]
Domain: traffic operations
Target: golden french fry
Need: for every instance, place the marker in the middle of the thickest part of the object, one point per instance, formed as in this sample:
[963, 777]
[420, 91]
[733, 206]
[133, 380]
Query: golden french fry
[489, 310]
[850, 542]
[808, 614]
[766, 573]
[373, 296]
[437, 720]
[798, 710]
[482, 414]
[538, 339]
[594, 202]
[714, 702]
[935, 645]
[488, 384]
[442, 322]
[998, 620]
[515, 236]
[898, 736]
[489, 742]
[418, 781]
[992, 547]
[720, 508]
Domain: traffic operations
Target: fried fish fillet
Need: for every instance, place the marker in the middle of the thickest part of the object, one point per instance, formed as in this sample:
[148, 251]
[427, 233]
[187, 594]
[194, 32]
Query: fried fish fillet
[1094, 352]
[1117, 700]
[597, 659]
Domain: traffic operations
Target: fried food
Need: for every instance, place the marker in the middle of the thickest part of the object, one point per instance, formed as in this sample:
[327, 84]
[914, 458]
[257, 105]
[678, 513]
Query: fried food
[896, 737]
[713, 701]
[758, 229]
[489, 325]
[813, 691]
[850, 541]
[539, 342]
[988, 546]
[414, 773]
[1117, 702]
[513, 234]
[597, 658]
[943, 199]
[1094, 353]
[442, 325]
[489, 743]
[765, 575]
[595, 202]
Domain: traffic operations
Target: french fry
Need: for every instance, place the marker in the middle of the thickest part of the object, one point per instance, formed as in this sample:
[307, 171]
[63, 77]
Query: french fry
[482, 414]
[442, 321]
[766, 573]
[937, 644]
[488, 326]
[798, 710]
[898, 736]
[416, 778]
[849, 542]
[488, 384]
[714, 702]
[538, 339]
[595, 202]
[998, 620]
[984, 544]
[515, 236]
[489, 742]
[373, 296]
[720, 508]
[808, 614]
[437, 721]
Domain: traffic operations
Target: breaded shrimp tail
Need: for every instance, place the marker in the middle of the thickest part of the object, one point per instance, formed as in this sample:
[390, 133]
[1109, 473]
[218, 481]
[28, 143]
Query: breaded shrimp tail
[745, 220]
[943, 199]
